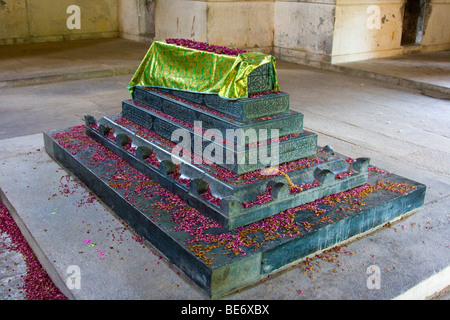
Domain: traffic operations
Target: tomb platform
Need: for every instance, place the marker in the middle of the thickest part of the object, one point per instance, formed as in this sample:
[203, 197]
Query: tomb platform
[232, 200]
[220, 209]
[239, 155]
[218, 260]
[264, 104]
[172, 105]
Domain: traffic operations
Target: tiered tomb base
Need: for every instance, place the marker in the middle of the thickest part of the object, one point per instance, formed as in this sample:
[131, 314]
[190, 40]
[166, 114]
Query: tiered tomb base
[221, 261]
[232, 200]
[223, 212]
[233, 193]
[165, 113]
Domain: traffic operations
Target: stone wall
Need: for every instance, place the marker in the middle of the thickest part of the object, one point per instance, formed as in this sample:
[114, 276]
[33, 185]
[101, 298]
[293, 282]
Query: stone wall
[365, 31]
[180, 19]
[241, 24]
[136, 19]
[303, 31]
[336, 31]
[47, 20]
[437, 25]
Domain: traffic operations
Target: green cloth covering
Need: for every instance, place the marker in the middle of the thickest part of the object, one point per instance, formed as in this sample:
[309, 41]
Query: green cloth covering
[176, 67]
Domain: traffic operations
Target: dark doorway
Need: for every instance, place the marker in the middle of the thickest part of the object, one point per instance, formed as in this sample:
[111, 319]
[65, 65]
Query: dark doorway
[413, 22]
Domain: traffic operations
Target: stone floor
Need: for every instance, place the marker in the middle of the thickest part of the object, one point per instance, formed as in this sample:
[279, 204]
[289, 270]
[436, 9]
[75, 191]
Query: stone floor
[424, 69]
[400, 129]
[12, 269]
[37, 63]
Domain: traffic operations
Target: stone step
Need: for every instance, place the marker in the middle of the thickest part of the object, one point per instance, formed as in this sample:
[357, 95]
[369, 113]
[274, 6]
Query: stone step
[221, 261]
[232, 207]
[237, 156]
[246, 109]
[222, 182]
[187, 115]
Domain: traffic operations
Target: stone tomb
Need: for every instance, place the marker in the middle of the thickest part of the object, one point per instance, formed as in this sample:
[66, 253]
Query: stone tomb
[270, 104]
[163, 114]
[218, 260]
[230, 199]
[227, 227]
[242, 199]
